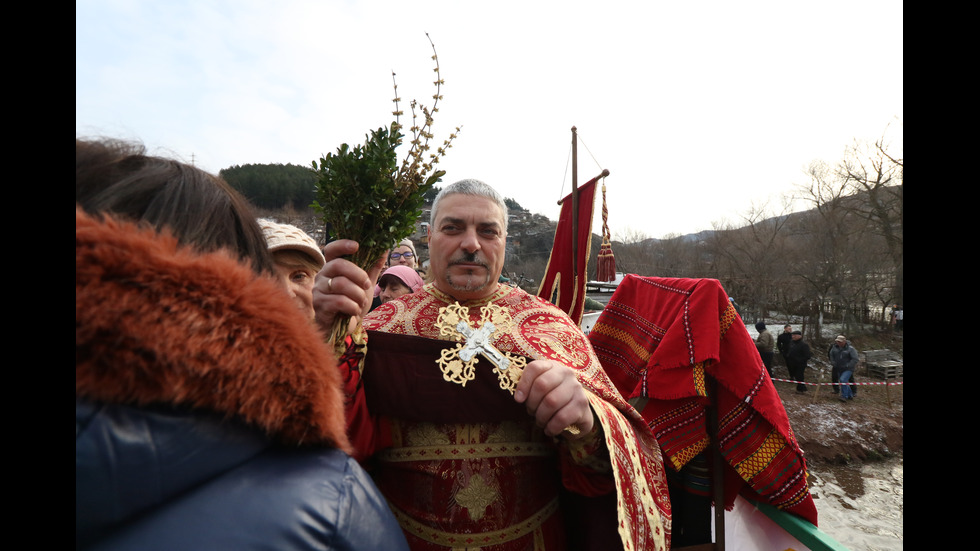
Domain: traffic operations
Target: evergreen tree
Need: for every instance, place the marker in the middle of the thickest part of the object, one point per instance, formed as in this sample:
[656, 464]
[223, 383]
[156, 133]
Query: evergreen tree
[272, 186]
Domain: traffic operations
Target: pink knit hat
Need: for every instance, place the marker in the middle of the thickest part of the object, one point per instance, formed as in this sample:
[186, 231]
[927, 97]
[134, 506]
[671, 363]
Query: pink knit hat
[406, 275]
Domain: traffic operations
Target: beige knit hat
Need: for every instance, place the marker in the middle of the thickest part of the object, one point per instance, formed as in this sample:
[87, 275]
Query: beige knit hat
[283, 236]
[407, 243]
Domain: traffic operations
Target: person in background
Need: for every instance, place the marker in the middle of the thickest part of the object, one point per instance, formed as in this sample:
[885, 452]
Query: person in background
[297, 259]
[208, 412]
[799, 354]
[765, 343]
[404, 255]
[843, 360]
[398, 281]
[738, 309]
[783, 342]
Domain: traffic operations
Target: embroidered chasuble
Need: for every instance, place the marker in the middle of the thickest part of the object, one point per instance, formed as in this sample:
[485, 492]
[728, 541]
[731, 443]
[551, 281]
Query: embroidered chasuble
[463, 465]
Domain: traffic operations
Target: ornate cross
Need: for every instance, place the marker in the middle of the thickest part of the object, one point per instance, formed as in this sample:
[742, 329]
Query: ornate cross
[458, 364]
[478, 341]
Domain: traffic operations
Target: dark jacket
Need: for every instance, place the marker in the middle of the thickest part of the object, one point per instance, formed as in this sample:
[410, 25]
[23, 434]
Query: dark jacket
[208, 412]
[799, 353]
[783, 342]
[843, 359]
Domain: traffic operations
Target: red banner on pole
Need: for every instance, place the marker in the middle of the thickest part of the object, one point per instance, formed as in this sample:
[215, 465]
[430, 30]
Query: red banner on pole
[565, 277]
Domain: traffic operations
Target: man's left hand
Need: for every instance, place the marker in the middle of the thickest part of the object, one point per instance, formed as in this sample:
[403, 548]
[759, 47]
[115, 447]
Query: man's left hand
[555, 398]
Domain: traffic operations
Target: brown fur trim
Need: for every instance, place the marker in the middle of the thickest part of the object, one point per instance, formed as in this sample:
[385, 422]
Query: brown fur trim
[156, 323]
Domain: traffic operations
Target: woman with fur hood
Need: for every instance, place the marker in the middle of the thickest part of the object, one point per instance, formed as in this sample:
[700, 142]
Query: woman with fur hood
[208, 411]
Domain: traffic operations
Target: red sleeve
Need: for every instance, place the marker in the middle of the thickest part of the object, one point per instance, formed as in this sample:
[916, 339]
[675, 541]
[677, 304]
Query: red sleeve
[364, 431]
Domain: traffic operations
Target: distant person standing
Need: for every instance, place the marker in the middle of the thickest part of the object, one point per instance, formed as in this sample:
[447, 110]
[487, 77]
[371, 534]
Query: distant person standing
[899, 317]
[764, 342]
[799, 354]
[738, 309]
[843, 360]
[783, 341]
[835, 370]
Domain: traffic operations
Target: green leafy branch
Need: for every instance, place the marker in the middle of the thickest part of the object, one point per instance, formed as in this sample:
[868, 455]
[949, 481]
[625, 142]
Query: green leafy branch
[363, 193]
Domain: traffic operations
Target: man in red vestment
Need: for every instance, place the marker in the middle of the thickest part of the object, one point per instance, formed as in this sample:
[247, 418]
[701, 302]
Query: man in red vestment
[482, 411]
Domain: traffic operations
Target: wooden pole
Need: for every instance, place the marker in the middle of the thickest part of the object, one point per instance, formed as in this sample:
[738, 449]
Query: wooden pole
[817, 391]
[603, 174]
[717, 465]
[574, 203]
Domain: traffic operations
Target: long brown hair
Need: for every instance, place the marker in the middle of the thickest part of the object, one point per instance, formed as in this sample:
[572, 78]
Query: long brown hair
[201, 210]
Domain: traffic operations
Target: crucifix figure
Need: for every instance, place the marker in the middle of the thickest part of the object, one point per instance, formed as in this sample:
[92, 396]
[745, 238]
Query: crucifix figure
[478, 341]
[458, 364]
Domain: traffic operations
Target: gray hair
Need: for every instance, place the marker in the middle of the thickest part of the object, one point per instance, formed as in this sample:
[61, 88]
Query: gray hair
[470, 187]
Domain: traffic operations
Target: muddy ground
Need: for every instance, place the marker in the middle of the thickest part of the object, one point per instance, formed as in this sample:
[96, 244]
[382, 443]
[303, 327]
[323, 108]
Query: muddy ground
[866, 429]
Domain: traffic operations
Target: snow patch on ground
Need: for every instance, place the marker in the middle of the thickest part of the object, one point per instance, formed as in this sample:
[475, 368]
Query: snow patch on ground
[830, 420]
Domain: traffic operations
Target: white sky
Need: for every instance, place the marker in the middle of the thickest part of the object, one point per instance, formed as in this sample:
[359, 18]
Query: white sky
[700, 110]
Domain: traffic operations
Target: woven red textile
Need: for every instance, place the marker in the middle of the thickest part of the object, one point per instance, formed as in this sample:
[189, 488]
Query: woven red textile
[657, 339]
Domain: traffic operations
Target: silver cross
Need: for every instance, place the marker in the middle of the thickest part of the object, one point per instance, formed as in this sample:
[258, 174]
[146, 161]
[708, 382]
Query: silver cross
[478, 342]
[458, 364]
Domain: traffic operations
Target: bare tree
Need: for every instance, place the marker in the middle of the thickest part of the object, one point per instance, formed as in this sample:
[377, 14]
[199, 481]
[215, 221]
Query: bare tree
[749, 259]
[631, 248]
[874, 172]
[821, 264]
[679, 256]
[845, 249]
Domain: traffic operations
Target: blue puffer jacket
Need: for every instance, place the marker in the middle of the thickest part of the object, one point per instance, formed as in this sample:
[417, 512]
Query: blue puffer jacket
[208, 412]
[163, 479]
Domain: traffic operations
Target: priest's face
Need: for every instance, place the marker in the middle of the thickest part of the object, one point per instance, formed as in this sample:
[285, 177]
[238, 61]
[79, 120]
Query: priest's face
[466, 248]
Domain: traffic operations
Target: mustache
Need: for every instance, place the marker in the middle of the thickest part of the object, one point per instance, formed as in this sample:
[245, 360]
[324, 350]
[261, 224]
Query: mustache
[469, 258]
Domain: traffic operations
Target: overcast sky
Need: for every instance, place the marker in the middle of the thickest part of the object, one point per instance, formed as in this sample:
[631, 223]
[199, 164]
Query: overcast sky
[701, 111]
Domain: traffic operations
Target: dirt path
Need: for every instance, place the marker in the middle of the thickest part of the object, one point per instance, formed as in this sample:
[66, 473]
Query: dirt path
[867, 428]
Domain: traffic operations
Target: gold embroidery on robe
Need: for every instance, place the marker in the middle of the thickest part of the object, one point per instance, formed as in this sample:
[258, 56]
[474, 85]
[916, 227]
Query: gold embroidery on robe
[476, 496]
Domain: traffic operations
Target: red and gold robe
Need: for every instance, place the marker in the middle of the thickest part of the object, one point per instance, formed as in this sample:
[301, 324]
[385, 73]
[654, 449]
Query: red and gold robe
[465, 467]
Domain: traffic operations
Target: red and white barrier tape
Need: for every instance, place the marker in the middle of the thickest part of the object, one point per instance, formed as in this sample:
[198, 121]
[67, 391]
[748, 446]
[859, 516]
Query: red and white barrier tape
[807, 383]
